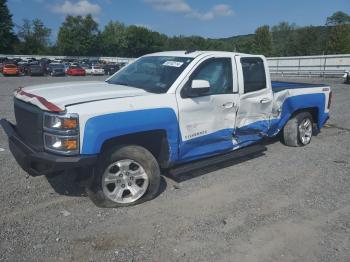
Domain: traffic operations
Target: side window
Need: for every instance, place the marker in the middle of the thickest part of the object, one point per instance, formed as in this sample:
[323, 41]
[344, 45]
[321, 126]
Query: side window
[218, 72]
[253, 74]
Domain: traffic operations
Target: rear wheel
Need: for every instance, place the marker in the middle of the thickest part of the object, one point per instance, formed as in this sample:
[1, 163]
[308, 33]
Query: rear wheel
[298, 130]
[125, 175]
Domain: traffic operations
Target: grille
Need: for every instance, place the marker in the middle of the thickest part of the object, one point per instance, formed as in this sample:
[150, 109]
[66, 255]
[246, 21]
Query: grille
[29, 119]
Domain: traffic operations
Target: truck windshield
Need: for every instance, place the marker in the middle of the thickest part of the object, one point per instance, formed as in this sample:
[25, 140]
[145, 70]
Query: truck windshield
[152, 73]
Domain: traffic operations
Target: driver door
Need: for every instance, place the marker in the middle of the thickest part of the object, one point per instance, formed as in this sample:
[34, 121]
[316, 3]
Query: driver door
[207, 119]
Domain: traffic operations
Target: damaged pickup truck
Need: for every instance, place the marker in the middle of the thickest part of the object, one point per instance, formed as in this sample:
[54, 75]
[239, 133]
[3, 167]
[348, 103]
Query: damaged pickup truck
[163, 110]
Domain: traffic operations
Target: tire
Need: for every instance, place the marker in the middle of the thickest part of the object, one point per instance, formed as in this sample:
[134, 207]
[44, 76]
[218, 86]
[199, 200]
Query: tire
[114, 173]
[296, 133]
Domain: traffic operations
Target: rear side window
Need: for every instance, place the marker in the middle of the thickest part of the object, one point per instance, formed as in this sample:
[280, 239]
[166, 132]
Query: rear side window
[253, 74]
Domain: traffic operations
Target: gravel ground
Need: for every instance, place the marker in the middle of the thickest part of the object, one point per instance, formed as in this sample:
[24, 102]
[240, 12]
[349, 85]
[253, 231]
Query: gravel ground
[290, 204]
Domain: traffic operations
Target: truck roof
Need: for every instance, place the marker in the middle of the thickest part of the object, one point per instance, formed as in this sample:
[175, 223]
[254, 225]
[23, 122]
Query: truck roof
[191, 54]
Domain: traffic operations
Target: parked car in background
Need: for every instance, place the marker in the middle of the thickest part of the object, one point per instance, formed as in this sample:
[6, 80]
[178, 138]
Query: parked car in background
[3, 59]
[122, 64]
[33, 63]
[45, 66]
[76, 71]
[29, 60]
[35, 70]
[110, 69]
[95, 70]
[83, 65]
[10, 70]
[66, 67]
[56, 69]
[346, 77]
[23, 68]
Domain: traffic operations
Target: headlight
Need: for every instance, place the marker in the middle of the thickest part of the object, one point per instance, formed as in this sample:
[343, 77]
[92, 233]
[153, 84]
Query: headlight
[61, 134]
[61, 123]
[67, 145]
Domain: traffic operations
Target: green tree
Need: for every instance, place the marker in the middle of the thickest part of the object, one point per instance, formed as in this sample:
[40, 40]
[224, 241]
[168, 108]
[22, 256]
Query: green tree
[243, 44]
[339, 39]
[78, 36]
[141, 40]
[338, 33]
[192, 43]
[214, 44]
[7, 37]
[113, 39]
[263, 40]
[198, 43]
[308, 41]
[283, 39]
[34, 37]
[176, 43]
[338, 18]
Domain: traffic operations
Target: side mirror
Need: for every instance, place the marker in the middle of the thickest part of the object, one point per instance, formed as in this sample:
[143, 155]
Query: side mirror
[200, 86]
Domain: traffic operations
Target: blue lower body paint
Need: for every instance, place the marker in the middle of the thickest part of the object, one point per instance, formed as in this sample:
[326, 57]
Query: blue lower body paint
[101, 128]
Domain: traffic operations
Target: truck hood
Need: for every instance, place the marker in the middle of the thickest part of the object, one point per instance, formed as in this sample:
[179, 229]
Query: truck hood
[55, 97]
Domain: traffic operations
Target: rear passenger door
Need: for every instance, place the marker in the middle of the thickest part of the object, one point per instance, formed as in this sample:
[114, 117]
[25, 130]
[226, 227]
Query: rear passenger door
[256, 98]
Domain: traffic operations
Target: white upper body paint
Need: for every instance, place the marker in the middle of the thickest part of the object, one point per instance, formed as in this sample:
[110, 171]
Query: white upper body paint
[197, 116]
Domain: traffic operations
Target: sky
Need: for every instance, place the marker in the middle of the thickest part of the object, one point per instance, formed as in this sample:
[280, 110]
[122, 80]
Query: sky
[207, 18]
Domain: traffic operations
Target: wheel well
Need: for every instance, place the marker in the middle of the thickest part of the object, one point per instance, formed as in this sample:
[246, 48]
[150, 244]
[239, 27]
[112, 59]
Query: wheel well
[154, 141]
[312, 110]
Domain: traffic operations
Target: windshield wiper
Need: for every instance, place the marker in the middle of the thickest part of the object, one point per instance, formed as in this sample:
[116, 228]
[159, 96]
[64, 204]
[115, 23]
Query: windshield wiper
[138, 87]
[118, 83]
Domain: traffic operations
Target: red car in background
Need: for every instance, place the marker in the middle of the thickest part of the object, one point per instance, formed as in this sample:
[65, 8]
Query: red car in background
[76, 71]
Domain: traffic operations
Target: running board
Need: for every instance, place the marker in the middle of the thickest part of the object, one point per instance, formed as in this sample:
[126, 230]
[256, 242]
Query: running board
[239, 155]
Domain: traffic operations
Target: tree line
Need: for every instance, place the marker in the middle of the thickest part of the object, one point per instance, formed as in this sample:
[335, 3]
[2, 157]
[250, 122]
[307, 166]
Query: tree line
[81, 36]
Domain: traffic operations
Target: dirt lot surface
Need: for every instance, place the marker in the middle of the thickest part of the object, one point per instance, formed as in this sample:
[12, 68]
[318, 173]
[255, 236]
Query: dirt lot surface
[290, 204]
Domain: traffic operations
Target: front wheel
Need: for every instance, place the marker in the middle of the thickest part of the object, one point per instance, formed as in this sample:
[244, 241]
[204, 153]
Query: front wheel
[125, 175]
[298, 130]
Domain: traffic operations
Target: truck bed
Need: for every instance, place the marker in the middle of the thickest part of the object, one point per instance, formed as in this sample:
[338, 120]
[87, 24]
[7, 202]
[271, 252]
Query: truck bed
[278, 86]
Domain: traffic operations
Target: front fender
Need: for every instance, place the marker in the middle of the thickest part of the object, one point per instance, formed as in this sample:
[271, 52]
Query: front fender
[98, 129]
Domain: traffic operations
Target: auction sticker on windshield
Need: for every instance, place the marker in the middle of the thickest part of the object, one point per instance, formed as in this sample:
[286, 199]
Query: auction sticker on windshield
[173, 63]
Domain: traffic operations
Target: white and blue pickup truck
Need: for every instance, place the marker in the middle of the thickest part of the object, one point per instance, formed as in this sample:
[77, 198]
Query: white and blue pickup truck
[162, 110]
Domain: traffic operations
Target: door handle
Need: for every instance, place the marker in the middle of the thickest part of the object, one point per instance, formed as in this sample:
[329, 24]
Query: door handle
[228, 105]
[265, 100]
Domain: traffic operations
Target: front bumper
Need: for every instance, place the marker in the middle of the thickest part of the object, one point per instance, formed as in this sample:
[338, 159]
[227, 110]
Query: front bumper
[41, 163]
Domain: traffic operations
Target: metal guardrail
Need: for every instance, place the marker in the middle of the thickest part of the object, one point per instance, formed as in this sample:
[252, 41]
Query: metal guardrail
[320, 66]
[314, 73]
